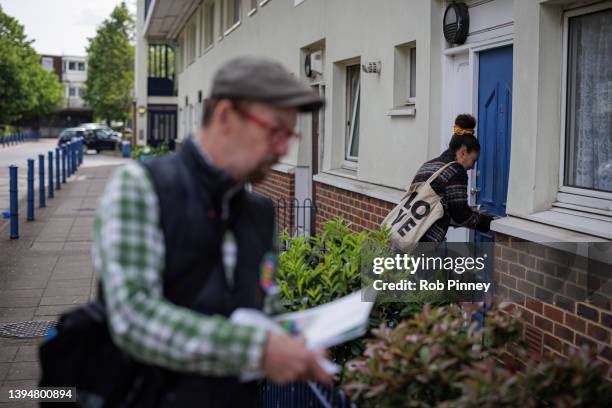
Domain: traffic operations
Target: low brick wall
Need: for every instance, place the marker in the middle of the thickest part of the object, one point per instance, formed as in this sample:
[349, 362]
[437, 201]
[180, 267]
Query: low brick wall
[279, 186]
[361, 211]
[549, 288]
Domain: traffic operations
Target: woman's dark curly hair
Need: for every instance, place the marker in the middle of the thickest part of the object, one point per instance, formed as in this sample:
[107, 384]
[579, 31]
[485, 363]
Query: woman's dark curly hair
[464, 121]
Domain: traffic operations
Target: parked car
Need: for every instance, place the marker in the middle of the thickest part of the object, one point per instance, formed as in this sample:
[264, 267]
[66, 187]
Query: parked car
[100, 139]
[95, 138]
[117, 135]
[70, 134]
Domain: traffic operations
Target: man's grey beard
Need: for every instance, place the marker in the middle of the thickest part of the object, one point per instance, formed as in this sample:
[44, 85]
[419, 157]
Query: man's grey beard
[261, 172]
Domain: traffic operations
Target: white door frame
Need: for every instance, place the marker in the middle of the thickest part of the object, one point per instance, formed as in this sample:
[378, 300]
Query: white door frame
[448, 55]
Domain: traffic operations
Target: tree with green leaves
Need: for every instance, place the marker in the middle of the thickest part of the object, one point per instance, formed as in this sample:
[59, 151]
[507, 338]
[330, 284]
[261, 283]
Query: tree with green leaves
[26, 88]
[110, 75]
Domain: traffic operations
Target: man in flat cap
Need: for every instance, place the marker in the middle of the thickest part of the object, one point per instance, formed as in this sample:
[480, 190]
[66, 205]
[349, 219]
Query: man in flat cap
[179, 245]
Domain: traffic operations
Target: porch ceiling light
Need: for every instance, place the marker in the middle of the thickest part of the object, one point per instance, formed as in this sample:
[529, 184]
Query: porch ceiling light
[142, 110]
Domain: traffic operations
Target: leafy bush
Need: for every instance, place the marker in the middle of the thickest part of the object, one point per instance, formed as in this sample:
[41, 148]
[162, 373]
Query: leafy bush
[316, 270]
[139, 151]
[438, 359]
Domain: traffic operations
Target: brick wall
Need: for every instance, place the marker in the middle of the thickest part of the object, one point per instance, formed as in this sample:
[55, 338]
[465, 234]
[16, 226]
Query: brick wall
[549, 288]
[362, 211]
[279, 186]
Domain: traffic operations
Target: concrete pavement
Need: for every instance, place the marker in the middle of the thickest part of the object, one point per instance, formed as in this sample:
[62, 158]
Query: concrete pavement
[48, 269]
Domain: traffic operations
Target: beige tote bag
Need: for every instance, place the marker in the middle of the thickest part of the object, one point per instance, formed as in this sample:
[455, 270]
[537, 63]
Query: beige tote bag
[420, 207]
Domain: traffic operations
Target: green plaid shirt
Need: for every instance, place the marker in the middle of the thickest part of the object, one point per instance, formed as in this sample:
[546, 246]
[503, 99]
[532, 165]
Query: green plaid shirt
[128, 255]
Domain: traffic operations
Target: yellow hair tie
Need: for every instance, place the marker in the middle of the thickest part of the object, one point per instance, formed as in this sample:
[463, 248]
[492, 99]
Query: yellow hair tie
[459, 131]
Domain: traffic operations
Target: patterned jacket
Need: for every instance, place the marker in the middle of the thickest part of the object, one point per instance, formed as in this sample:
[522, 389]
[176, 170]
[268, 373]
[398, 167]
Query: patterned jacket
[451, 185]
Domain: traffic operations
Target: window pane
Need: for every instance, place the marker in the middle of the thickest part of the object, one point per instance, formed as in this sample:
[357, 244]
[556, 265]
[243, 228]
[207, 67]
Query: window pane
[71, 66]
[210, 21]
[588, 158]
[355, 142]
[81, 66]
[352, 110]
[412, 93]
[236, 11]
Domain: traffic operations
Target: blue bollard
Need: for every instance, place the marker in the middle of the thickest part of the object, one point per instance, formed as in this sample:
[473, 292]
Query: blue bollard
[41, 181]
[63, 163]
[71, 158]
[74, 161]
[76, 153]
[30, 189]
[58, 185]
[14, 202]
[68, 160]
[50, 170]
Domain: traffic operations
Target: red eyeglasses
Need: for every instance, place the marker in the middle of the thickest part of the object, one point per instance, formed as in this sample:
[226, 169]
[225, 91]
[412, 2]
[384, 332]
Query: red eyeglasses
[277, 132]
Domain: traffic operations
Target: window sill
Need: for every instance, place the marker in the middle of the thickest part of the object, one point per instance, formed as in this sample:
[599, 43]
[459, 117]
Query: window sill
[340, 179]
[232, 28]
[402, 111]
[344, 172]
[588, 246]
[263, 2]
[250, 13]
[554, 226]
[350, 166]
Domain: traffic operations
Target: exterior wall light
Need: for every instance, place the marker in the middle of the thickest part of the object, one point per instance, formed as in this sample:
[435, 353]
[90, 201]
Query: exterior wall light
[372, 67]
[456, 23]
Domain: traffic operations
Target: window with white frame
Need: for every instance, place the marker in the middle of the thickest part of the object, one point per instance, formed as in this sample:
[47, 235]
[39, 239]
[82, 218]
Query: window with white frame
[180, 52]
[232, 13]
[586, 165]
[404, 90]
[208, 25]
[81, 66]
[353, 76]
[72, 66]
[47, 63]
[72, 91]
[191, 42]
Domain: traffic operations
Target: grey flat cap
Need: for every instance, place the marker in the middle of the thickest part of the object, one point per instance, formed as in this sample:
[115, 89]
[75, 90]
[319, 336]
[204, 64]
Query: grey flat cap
[263, 80]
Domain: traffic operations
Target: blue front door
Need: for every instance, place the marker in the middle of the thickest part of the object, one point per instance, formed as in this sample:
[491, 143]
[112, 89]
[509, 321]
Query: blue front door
[494, 131]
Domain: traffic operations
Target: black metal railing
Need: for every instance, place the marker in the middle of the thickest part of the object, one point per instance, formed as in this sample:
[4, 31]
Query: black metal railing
[161, 70]
[296, 217]
[303, 395]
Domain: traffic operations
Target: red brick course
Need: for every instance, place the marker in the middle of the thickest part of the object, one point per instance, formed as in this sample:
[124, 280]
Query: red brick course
[280, 188]
[361, 211]
[549, 288]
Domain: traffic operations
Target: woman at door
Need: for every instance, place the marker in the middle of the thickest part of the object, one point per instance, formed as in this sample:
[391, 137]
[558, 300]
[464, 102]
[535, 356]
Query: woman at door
[463, 150]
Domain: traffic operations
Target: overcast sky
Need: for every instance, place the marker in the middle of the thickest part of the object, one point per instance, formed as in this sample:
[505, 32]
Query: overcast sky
[61, 27]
